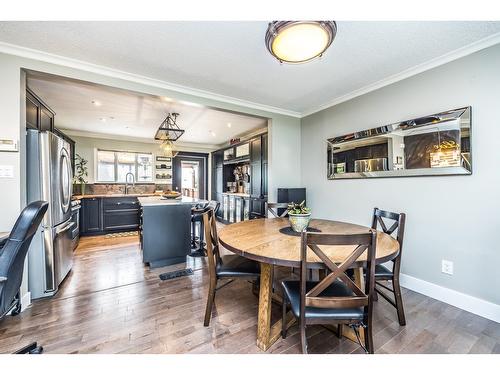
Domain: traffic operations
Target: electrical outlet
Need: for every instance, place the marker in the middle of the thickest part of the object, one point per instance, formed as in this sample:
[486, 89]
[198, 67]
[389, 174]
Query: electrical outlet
[447, 266]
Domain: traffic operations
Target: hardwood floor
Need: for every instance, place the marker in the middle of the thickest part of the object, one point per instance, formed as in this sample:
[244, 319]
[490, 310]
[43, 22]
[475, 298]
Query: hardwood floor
[112, 303]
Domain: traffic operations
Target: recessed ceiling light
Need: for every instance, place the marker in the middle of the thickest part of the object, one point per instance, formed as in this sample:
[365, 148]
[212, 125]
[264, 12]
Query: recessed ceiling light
[111, 118]
[97, 103]
[102, 119]
[228, 124]
[299, 41]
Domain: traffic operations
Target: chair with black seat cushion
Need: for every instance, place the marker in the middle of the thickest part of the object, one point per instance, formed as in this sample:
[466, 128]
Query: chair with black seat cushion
[382, 273]
[12, 257]
[274, 207]
[223, 267]
[336, 299]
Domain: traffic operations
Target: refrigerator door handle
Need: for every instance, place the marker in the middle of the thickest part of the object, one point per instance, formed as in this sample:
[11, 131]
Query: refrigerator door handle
[65, 228]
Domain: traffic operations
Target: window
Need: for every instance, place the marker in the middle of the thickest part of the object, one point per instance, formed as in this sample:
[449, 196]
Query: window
[113, 166]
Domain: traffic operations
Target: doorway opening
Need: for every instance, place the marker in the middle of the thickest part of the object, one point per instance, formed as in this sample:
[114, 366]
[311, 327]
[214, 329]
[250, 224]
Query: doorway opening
[190, 174]
[190, 178]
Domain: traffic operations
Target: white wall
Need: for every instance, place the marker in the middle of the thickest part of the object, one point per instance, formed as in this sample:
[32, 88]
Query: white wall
[284, 155]
[455, 218]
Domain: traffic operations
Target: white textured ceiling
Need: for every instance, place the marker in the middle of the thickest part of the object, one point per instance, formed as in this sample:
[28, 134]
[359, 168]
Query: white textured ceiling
[133, 115]
[230, 58]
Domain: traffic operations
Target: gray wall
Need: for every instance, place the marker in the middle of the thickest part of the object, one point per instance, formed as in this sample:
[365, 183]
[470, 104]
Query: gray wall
[12, 193]
[455, 218]
[12, 190]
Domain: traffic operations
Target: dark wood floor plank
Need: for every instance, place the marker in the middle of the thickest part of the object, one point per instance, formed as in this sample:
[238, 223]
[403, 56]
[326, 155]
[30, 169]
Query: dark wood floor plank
[112, 303]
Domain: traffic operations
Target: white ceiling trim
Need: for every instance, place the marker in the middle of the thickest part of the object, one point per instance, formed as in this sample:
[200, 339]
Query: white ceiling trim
[119, 137]
[441, 60]
[30, 53]
[16, 50]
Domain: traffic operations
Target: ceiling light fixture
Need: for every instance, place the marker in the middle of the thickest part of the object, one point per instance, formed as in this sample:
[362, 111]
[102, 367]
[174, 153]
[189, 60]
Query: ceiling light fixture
[296, 42]
[96, 103]
[167, 133]
[228, 124]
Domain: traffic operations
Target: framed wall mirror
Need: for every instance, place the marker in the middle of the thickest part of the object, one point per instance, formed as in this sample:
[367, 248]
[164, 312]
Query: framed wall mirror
[437, 144]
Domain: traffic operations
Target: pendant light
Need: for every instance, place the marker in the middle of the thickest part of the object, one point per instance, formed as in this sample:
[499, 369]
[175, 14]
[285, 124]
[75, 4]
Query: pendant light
[168, 133]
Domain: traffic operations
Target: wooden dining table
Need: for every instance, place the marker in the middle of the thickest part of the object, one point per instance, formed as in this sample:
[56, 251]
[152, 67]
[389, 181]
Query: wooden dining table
[272, 243]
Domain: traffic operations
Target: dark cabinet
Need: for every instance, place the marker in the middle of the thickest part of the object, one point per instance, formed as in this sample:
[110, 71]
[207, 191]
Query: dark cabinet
[113, 214]
[91, 215]
[38, 114]
[120, 214]
[32, 111]
[222, 171]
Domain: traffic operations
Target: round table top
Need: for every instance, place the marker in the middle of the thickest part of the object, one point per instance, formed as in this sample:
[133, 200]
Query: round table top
[262, 241]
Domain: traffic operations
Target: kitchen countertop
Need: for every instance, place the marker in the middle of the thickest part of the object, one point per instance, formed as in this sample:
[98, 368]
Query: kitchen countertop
[244, 195]
[114, 195]
[158, 201]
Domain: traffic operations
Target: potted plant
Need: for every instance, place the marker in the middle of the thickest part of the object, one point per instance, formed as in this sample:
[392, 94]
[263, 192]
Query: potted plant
[81, 171]
[299, 216]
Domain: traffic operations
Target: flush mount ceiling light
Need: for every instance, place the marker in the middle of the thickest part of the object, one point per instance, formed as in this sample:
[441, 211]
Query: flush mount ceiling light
[297, 42]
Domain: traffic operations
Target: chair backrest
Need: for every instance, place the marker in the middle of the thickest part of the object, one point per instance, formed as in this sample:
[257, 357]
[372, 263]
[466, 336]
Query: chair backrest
[395, 226]
[363, 243]
[214, 205]
[274, 207]
[212, 241]
[14, 252]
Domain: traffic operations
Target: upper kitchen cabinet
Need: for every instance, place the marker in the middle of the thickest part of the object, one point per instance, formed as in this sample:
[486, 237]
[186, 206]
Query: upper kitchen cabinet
[38, 114]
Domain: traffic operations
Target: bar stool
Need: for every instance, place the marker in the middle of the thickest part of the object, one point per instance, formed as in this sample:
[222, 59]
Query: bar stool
[197, 241]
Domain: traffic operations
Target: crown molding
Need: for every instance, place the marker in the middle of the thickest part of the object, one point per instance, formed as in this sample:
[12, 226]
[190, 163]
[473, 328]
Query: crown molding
[438, 61]
[118, 137]
[16, 50]
[30, 53]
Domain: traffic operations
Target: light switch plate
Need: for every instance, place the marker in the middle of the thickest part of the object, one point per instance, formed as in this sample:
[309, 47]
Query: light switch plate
[9, 145]
[6, 171]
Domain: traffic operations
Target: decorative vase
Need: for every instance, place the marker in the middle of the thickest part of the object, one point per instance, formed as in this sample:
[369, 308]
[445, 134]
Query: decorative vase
[82, 189]
[299, 222]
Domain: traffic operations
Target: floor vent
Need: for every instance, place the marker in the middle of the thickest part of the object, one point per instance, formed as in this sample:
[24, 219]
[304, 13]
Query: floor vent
[175, 274]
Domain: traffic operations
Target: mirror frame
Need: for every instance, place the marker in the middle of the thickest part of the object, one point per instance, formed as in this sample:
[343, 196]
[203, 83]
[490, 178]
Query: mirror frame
[462, 114]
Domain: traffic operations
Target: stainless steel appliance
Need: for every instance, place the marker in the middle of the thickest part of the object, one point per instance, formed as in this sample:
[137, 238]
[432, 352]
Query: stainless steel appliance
[49, 178]
[75, 218]
[370, 165]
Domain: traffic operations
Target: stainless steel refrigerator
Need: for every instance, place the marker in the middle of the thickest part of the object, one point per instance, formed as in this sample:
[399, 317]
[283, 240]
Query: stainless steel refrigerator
[49, 178]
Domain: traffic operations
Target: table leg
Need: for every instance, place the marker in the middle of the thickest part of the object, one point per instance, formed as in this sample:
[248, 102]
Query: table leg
[348, 332]
[268, 334]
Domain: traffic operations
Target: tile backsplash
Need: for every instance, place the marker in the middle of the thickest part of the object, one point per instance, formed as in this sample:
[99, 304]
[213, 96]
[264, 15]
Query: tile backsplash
[120, 188]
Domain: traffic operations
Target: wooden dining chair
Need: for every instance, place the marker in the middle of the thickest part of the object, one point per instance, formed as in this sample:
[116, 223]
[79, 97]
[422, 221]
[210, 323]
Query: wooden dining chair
[223, 267]
[335, 299]
[274, 207]
[382, 273]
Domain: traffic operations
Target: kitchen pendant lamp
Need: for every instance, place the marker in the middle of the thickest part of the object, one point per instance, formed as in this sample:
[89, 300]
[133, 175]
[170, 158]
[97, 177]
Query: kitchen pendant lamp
[168, 129]
[296, 42]
[167, 147]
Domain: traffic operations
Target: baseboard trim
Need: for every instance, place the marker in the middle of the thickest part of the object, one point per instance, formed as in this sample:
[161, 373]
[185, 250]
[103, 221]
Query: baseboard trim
[463, 301]
[25, 301]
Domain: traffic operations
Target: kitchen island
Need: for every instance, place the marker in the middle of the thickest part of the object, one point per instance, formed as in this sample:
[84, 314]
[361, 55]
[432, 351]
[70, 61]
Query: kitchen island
[165, 229]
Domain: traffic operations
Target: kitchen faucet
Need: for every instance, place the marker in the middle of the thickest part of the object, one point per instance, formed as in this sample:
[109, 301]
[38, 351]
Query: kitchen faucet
[126, 181]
